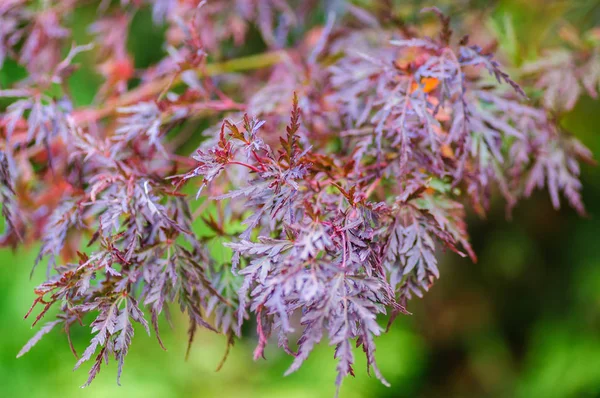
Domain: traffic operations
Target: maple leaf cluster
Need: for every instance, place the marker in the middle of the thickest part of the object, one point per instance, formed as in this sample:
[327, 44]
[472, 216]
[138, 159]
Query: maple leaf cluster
[338, 165]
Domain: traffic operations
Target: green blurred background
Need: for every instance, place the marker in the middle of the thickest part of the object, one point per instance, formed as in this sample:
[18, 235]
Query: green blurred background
[523, 322]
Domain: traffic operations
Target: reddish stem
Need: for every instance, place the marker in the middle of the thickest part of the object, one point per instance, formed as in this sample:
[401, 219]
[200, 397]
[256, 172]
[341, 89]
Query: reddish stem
[262, 165]
[255, 169]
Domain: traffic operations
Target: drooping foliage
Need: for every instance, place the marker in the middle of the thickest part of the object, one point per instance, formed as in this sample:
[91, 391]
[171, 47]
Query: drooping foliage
[340, 164]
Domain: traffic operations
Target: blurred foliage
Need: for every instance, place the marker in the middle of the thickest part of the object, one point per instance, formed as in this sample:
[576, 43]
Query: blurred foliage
[523, 322]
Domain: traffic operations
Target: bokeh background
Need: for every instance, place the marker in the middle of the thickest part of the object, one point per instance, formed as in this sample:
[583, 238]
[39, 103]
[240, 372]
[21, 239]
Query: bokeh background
[522, 322]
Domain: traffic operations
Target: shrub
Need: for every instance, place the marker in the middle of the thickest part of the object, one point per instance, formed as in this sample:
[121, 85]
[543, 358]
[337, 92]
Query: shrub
[339, 166]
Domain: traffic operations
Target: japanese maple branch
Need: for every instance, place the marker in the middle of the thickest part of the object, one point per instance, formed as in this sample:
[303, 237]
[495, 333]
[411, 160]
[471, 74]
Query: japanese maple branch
[155, 87]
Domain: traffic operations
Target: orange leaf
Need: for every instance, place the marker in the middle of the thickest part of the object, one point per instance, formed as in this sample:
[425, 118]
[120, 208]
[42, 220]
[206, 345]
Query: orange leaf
[429, 84]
